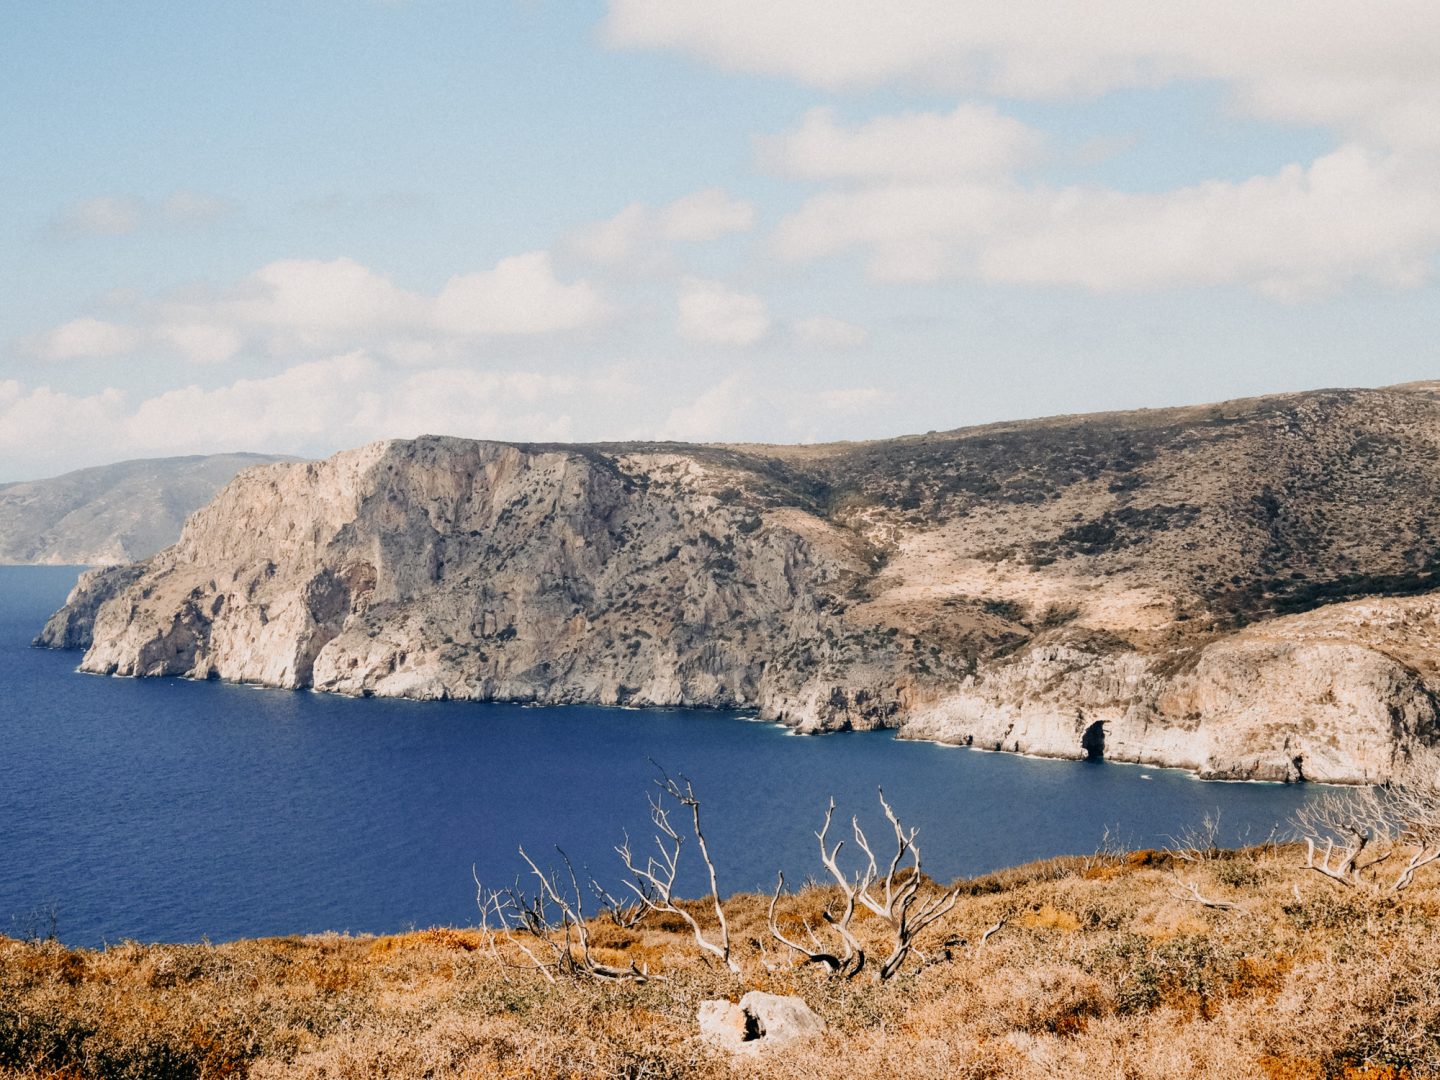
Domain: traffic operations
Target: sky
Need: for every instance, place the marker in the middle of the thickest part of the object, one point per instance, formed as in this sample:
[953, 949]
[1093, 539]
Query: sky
[301, 225]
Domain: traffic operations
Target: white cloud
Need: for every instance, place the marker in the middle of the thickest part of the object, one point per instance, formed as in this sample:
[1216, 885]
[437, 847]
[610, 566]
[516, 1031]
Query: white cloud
[202, 343]
[104, 215]
[1367, 70]
[641, 235]
[310, 305]
[848, 401]
[912, 231]
[485, 405]
[970, 140]
[313, 407]
[735, 409]
[714, 314]
[826, 332]
[718, 412]
[317, 299]
[38, 425]
[520, 296]
[121, 215]
[84, 338]
[1350, 215]
[324, 401]
[615, 239]
[705, 215]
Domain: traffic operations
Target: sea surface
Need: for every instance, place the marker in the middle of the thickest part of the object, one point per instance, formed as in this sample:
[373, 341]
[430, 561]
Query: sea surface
[169, 810]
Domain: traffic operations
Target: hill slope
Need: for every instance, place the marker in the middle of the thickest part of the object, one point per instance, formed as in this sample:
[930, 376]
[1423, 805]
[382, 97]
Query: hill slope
[113, 513]
[1242, 589]
[1100, 968]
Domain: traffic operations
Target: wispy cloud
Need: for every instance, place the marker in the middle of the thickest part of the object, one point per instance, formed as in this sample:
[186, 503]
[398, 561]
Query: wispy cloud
[84, 338]
[1365, 70]
[643, 236]
[122, 215]
[970, 140]
[712, 313]
[827, 332]
[1351, 215]
[312, 305]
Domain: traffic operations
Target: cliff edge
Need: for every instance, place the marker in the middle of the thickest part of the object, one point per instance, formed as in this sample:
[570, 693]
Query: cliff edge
[1242, 589]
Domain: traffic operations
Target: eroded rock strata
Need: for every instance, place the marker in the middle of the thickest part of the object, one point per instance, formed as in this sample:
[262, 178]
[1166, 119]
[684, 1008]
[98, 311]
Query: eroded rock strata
[1240, 589]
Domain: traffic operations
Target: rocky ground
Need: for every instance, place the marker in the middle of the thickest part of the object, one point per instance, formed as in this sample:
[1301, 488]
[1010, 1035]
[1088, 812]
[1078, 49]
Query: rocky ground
[1242, 589]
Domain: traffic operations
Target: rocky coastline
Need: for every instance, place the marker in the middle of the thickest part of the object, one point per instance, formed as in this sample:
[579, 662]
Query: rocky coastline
[1241, 590]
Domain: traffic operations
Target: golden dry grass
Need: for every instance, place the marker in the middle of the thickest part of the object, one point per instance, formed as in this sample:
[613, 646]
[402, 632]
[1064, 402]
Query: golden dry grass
[1099, 972]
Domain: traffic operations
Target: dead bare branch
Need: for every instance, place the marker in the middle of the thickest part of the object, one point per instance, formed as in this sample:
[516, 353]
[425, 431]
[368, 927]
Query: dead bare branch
[1197, 843]
[848, 960]
[893, 896]
[653, 881]
[1190, 891]
[999, 925]
[1400, 819]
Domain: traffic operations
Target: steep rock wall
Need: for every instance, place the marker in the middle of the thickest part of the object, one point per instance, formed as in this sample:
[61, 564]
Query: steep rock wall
[1200, 588]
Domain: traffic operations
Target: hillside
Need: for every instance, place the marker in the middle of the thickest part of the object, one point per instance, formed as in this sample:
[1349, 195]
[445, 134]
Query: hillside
[113, 513]
[1102, 967]
[1243, 589]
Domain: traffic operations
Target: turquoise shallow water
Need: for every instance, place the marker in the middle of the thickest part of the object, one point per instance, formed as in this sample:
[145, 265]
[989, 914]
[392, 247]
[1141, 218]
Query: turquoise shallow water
[167, 810]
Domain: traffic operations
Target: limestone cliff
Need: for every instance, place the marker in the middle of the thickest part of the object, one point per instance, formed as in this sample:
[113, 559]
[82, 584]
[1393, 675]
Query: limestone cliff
[1240, 589]
[113, 513]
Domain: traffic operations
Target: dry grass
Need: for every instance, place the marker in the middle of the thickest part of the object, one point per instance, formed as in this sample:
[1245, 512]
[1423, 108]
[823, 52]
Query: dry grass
[1099, 972]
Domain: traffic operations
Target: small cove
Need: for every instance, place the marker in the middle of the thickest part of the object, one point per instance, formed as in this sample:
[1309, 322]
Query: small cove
[169, 810]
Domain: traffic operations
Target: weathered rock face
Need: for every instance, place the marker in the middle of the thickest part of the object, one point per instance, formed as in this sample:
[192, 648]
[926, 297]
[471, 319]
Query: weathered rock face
[111, 514]
[1249, 709]
[73, 626]
[1202, 588]
[448, 568]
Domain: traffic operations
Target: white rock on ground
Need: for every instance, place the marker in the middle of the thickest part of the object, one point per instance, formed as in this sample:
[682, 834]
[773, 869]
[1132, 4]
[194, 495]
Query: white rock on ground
[760, 1021]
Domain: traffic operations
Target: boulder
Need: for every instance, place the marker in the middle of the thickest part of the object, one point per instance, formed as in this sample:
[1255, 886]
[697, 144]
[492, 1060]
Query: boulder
[758, 1022]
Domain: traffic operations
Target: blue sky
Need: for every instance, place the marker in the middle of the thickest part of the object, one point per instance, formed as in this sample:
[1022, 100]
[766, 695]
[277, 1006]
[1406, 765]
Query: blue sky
[299, 226]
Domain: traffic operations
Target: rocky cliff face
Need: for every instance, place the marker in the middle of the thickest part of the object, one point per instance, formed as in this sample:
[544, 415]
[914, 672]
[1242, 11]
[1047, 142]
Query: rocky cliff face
[112, 514]
[1242, 589]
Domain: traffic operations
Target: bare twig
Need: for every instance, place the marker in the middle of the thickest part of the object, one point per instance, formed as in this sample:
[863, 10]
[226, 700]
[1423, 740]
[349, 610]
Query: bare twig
[893, 896]
[849, 960]
[1190, 891]
[653, 881]
[1400, 820]
[1197, 843]
[999, 925]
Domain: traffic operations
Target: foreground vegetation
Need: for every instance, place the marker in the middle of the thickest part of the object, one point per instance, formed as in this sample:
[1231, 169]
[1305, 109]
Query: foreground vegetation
[1106, 966]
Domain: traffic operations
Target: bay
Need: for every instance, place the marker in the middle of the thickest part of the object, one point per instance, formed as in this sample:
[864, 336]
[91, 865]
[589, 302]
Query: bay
[172, 810]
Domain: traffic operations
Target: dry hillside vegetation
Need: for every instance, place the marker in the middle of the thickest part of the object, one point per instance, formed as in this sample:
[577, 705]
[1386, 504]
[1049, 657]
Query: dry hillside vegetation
[1104, 967]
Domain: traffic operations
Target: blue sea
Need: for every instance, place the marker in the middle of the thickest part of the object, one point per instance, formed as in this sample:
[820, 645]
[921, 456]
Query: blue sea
[169, 810]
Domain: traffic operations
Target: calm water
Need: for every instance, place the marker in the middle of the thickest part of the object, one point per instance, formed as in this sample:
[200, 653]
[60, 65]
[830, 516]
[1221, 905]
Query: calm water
[160, 809]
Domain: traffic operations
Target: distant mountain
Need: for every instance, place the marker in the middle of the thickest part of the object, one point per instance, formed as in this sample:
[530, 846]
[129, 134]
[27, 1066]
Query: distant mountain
[1249, 589]
[113, 513]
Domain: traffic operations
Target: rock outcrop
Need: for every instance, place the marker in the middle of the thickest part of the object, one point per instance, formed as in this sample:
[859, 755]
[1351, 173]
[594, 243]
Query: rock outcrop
[761, 1021]
[112, 514]
[1243, 589]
